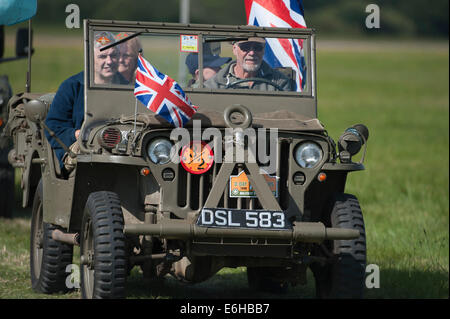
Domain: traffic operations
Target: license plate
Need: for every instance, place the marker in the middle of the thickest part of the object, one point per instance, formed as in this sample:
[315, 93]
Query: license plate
[243, 218]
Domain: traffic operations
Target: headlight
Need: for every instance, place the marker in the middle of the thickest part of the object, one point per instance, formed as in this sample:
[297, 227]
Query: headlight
[159, 151]
[308, 154]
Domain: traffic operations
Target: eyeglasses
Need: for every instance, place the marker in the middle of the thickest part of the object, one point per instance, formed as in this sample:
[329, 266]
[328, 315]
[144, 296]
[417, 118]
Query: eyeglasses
[251, 46]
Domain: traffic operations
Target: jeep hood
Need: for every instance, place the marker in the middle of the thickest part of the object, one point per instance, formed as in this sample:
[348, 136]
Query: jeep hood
[283, 120]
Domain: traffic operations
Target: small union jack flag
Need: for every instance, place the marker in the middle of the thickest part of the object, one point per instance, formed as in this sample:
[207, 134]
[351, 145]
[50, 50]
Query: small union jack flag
[162, 95]
[281, 52]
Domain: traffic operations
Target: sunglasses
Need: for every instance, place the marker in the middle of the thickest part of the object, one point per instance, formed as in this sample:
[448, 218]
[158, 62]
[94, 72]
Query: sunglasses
[251, 46]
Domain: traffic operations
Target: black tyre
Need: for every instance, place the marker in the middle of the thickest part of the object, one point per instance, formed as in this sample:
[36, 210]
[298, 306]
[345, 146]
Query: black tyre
[7, 200]
[265, 279]
[344, 276]
[103, 250]
[48, 258]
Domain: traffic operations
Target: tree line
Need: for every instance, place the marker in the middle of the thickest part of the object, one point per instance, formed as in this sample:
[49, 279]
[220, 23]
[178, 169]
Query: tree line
[346, 17]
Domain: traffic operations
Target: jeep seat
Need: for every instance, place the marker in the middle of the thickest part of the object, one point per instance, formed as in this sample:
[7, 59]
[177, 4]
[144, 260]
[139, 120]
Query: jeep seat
[48, 99]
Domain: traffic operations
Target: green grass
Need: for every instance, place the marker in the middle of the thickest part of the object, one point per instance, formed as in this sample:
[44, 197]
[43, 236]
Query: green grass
[402, 96]
[50, 66]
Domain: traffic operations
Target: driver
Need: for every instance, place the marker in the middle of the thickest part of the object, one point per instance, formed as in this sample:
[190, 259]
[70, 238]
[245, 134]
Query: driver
[249, 64]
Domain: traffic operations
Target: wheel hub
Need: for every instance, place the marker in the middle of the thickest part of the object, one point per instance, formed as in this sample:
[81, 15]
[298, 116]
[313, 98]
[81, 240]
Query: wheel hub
[88, 259]
[39, 239]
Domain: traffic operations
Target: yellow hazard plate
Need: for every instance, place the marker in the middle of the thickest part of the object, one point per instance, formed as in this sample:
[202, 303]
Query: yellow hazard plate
[197, 157]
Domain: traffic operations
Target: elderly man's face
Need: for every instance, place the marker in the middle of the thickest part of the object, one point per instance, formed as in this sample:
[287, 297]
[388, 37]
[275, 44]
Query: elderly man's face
[105, 64]
[249, 55]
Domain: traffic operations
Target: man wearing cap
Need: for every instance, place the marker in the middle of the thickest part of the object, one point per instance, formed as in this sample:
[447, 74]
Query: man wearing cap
[250, 70]
[66, 113]
[211, 65]
[106, 62]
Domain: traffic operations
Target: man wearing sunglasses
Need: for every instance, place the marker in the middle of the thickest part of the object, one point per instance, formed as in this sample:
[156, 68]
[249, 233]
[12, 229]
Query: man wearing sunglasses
[249, 70]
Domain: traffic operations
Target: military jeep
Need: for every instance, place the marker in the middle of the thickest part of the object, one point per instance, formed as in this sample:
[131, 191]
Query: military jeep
[254, 181]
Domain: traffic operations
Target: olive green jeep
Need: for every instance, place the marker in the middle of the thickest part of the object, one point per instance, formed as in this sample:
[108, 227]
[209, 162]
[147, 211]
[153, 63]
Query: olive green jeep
[252, 180]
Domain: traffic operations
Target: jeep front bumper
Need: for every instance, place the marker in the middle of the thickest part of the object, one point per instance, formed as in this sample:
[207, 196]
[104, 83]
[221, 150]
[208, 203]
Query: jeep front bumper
[300, 232]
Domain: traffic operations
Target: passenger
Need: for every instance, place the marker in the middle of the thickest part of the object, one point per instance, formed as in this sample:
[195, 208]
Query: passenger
[211, 65]
[129, 51]
[66, 113]
[106, 62]
[249, 64]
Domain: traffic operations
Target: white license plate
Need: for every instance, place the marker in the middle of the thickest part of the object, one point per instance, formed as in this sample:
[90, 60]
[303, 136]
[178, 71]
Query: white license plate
[243, 218]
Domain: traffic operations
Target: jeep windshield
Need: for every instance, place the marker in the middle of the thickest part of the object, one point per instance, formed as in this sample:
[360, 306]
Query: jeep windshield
[227, 62]
[215, 65]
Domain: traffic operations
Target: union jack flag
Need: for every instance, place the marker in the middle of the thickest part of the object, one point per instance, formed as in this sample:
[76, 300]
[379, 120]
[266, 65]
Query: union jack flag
[162, 95]
[281, 52]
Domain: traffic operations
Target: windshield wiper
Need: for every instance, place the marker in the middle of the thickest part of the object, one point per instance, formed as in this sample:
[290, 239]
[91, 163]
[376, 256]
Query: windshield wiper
[227, 39]
[106, 47]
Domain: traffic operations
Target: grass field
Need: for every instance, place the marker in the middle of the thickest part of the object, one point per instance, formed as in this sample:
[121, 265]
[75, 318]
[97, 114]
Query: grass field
[401, 94]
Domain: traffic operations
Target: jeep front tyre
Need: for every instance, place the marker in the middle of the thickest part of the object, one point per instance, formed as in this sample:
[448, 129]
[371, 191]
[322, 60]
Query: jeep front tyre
[103, 251]
[48, 258]
[344, 276]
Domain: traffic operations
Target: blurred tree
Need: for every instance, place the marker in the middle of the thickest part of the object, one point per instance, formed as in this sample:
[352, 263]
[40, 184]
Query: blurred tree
[218, 12]
[398, 17]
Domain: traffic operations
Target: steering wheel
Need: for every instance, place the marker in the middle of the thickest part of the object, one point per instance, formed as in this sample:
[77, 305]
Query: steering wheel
[261, 80]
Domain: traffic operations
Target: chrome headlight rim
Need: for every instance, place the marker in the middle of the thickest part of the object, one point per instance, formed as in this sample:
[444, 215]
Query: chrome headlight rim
[159, 150]
[315, 154]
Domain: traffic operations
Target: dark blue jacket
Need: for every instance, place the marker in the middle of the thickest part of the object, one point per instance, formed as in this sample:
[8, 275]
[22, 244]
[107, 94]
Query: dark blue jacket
[66, 113]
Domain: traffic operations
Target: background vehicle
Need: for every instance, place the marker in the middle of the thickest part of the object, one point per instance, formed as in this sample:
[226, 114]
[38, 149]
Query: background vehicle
[127, 205]
[7, 201]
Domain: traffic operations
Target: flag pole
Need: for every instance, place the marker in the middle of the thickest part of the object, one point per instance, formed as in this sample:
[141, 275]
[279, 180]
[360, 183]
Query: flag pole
[135, 105]
[135, 116]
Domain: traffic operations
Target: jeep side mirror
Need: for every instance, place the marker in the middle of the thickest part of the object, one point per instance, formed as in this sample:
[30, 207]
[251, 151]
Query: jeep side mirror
[22, 45]
[35, 110]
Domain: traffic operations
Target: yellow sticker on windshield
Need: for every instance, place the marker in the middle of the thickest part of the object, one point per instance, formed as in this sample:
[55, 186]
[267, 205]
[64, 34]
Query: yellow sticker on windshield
[189, 43]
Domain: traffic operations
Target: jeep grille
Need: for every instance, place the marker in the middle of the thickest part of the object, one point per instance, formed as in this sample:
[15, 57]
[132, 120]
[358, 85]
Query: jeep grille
[193, 190]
